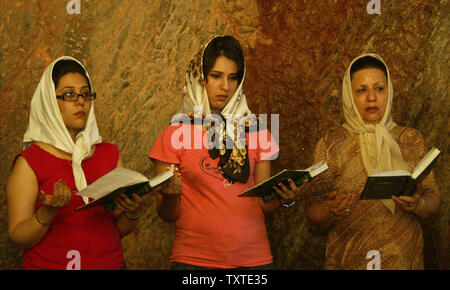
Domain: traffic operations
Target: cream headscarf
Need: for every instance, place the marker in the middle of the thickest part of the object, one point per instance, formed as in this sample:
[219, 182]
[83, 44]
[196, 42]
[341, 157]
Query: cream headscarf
[195, 95]
[195, 103]
[379, 150]
[47, 126]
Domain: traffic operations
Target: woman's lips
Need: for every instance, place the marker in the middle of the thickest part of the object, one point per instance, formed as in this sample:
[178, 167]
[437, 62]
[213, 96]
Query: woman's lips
[80, 114]
[222, 97]
[372, 109]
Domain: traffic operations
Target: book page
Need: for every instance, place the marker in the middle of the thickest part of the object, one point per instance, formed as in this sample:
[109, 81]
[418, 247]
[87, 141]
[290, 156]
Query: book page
[317, 168]
[119, 177]
[425, 162]
[160, 178]
[392, 173]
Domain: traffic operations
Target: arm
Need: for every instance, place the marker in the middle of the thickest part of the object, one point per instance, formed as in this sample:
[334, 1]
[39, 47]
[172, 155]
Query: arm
[168, 199]
[262, 172]
[128, 211]
[26, 228]
[426, 201]
[323, 206]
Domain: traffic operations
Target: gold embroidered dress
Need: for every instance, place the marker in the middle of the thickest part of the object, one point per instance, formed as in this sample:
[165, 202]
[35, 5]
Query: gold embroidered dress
[370, 224]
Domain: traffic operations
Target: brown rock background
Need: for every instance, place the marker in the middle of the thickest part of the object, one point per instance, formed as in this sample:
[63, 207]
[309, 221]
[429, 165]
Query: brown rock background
[297, 52]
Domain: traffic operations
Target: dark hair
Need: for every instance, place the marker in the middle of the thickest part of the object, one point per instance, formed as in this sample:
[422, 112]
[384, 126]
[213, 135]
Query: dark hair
[226, 46]
[367, 62]
[66, 66]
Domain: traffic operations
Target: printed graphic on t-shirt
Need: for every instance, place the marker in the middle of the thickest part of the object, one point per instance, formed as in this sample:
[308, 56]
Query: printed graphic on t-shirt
[210, 167]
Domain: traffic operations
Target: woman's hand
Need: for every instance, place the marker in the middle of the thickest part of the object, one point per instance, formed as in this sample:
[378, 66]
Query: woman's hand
[288, 195]
[408, 203]
[61, 195]
[341, 204]
[132, 207]
[172, 188]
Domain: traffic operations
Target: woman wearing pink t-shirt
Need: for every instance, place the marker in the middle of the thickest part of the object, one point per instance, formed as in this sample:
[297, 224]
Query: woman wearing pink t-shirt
[219, 150]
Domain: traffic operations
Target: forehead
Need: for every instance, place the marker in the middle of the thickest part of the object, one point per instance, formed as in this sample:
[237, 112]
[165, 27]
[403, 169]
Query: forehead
[368, 75]
[225, 64]
[72, 80]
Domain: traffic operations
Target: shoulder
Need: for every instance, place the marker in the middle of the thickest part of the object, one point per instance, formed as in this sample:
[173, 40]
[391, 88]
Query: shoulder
[106, 149]
[172, 127]
[106, 146]
[334, 135]
[406, 135]
[31, 150]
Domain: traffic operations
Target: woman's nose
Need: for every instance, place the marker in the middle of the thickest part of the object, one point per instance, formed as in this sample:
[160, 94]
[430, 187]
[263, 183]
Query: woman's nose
[371, 95]
[225, 84]
[80, 100]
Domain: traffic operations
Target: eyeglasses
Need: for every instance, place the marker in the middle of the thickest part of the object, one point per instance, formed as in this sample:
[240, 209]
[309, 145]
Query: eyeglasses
[73, 97]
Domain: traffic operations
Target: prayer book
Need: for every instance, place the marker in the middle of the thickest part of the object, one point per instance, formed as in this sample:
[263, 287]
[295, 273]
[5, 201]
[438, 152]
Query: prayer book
[120, 181]
[384, 185]
[265, 189]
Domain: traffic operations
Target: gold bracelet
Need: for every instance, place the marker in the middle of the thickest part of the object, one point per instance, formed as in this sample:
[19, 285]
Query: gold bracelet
[39, 221]
[133, 217]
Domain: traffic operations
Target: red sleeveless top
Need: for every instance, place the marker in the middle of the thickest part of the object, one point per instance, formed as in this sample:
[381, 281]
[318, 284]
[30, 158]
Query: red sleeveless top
[90, 235]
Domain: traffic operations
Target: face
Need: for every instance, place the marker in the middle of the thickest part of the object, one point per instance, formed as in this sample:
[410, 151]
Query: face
[74, 114]
[370, 94]
[221, 83]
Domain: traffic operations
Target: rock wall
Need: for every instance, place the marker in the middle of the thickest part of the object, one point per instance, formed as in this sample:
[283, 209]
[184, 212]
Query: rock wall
[297, 51]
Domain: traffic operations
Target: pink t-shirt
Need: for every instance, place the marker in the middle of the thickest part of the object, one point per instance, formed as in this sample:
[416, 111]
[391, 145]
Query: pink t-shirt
[216, 228]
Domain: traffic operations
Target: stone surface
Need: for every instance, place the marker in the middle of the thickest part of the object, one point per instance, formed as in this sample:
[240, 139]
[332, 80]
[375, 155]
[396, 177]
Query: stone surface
[297, 52]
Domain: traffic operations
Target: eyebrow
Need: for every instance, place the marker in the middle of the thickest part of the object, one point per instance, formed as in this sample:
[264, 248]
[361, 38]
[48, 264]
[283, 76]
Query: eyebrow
[375, 83]
[221, 72]
[69, 87]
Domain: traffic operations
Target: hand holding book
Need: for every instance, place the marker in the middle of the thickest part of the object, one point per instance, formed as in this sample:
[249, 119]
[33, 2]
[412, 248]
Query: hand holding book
[408, 203]
[288, 194]
[121, 181]
[266, 190]
[132, 206]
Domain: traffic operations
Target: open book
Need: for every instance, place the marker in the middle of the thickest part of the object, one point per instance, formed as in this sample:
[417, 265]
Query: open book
[265, 189]
[120, 181]
[384, 185]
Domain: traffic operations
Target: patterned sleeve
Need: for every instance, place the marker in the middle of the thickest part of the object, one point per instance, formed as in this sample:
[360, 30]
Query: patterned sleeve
[428, 187]
[319, 188]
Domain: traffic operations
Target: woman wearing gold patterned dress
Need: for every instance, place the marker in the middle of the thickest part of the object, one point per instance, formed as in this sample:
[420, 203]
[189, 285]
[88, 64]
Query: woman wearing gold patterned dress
[361, 231]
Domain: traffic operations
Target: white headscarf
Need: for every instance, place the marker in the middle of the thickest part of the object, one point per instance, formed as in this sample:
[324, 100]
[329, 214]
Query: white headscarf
[379, 151]
[47, 126]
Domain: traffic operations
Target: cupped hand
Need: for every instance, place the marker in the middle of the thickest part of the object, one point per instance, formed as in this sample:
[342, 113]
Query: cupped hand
[61, 195]
[341, 204]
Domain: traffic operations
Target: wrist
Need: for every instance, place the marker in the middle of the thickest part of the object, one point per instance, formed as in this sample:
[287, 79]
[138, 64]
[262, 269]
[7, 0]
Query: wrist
[286, 203]
[132, 216]
[44, 215]
[171, 195]
[332, 214]
[420, 205]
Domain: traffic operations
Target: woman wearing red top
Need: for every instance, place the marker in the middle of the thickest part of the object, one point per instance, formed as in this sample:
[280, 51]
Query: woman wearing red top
[63, 153]
[214, 227]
